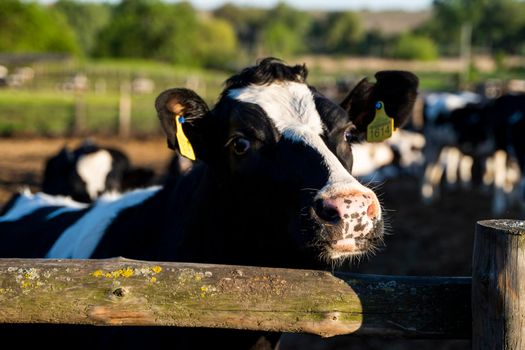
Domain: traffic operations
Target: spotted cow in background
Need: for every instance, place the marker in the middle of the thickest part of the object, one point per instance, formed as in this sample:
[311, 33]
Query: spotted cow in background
[442, 153]
[271, 187]
[400, 155]
[90, 170]
[482, 143]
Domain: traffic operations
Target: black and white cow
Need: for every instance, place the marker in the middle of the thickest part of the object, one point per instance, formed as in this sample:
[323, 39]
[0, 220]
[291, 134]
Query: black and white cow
[400, 155]
[484, 146]
[441, 152]
[90, 170]
[271, 186]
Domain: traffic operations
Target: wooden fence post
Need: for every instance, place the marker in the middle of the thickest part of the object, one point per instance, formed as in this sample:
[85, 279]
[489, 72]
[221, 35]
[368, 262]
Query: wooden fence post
[80, 122]
[124, 116]
[498, 286]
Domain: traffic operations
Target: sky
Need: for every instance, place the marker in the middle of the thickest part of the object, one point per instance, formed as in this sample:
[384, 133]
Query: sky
[327, 5]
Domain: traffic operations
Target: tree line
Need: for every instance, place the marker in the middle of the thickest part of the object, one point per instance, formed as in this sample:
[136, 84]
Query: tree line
[178, 33]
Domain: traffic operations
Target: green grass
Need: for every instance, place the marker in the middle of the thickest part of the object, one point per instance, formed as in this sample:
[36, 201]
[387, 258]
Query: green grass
[144, 118]
[53, 113]
[42, 108]
[45, 113]
[437, 81]
[113, 72]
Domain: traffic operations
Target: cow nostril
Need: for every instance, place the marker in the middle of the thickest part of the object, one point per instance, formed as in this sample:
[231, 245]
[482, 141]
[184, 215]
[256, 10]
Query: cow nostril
[372, 211]
[327, 211]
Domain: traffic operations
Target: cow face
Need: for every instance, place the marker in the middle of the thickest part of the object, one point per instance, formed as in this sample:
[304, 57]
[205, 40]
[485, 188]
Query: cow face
[283, 151]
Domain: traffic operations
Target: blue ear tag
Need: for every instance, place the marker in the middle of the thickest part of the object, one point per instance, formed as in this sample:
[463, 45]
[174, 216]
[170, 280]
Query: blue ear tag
[382, 125]
[185, 147]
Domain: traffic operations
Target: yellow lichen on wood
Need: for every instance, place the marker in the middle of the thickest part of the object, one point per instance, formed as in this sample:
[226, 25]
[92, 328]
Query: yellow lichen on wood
[126, 272]
[97, 273]
[31, 274]
[130, 272]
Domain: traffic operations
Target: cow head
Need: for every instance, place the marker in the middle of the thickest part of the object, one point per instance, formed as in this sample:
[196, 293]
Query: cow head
[283, 152]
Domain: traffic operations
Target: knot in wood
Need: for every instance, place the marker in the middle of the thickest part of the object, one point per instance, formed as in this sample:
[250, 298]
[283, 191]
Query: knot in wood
[119, 292]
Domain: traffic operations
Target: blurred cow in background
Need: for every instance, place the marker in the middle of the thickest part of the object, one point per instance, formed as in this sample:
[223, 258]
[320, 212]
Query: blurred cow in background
[91, 170]
[477, 141]
[400, 155]
[442, 155]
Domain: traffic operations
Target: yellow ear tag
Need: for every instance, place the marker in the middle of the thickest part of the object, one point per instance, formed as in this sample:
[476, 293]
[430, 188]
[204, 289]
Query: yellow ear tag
[381, 127]
[185, 147]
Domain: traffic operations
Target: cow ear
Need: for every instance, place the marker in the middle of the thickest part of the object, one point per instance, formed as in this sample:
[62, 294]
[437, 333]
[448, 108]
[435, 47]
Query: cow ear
[181, 113]
[397, 90]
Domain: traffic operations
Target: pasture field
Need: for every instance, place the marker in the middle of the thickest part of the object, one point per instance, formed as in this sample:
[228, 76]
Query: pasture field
[424, 240]
[49, 105]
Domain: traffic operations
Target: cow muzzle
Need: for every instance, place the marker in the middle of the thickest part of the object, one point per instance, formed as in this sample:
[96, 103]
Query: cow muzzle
[350, 220]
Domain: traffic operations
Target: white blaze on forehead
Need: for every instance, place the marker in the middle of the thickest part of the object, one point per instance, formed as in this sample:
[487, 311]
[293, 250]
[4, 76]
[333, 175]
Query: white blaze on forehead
[291, 107]
[93, 168]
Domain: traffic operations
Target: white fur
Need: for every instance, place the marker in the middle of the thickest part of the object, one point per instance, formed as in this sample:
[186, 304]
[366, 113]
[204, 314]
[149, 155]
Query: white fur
[465, 170]
[410, 145]
[93, 168]
[80, 240]
[28, 203]
[292, 109]
[445, 102]
[289, 105]
[499, 201]
[368, 157]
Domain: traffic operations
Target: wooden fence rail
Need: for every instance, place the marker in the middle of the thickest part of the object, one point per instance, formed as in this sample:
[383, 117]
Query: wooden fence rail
[130, 292]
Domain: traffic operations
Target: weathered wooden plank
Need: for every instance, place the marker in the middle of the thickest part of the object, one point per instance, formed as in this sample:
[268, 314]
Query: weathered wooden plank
[130, 292]
[413, 307]
[498, 272]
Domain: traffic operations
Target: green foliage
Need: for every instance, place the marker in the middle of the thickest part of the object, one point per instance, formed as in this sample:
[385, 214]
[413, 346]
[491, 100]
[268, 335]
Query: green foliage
[502, 26]
[150, 29]
[496, 24]
[247, 23]
[28, 27]
[375, 43]
[299, 21]
[86, 20]
[343, 32]
[285, 31]
[413, 47]
[279, 40]
[216, 43]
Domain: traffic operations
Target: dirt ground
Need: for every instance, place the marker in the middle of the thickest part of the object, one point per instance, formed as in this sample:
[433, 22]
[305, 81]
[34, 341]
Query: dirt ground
[424, 240]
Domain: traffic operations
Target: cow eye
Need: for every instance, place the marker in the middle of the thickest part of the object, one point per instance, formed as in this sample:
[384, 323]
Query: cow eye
[240, 145]
[350, 137]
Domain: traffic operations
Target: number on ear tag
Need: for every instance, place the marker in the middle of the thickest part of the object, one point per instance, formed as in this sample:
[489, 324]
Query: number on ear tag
[381, 127]
[185, 147]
